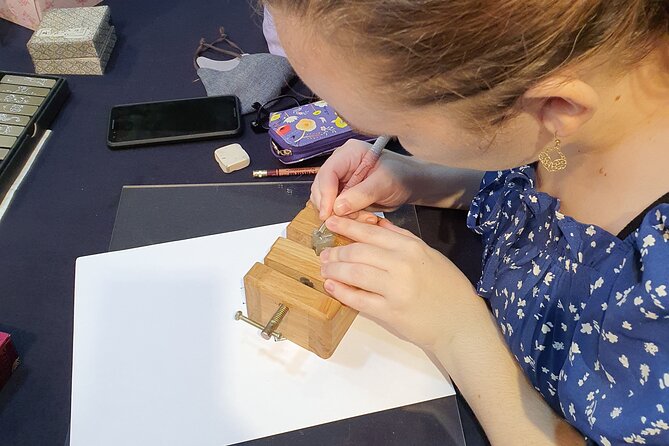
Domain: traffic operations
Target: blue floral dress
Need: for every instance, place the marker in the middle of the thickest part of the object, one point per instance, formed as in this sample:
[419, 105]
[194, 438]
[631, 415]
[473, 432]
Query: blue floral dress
[585, 313]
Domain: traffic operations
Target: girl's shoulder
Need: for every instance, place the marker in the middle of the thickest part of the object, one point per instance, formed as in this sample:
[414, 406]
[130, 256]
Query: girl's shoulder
[517, 223]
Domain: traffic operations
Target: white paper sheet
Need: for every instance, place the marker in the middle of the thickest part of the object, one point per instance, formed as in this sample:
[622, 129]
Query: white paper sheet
[159, 359]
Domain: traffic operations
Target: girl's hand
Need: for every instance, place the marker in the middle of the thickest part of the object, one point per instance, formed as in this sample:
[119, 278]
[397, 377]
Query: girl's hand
[413, 290]
[385, 187]
[394, 277]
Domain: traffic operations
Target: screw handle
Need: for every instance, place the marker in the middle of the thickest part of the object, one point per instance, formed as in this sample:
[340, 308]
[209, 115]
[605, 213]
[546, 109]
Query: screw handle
[239, 316]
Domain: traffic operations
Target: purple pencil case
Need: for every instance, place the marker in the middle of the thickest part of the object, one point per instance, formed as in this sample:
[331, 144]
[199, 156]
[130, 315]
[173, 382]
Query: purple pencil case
[308, 131]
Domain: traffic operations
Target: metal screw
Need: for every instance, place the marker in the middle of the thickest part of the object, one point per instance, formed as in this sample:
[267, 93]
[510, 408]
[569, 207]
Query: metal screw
[239, 316]
[274, 322]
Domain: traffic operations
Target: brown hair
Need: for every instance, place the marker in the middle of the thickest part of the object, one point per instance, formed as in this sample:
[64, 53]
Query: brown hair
[491, 51]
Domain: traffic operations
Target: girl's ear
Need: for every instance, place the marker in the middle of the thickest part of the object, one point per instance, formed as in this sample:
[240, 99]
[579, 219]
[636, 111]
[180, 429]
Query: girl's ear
[562, 105]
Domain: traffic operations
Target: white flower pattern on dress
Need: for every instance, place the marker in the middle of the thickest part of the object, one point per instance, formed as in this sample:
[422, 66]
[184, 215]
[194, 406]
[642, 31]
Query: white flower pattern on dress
[595, 308]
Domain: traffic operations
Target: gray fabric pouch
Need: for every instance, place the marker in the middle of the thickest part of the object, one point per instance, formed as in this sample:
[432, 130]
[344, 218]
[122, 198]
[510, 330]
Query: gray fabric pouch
[256, 78]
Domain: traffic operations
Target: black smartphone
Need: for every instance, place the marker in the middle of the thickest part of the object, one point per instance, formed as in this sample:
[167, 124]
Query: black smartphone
[147, 123]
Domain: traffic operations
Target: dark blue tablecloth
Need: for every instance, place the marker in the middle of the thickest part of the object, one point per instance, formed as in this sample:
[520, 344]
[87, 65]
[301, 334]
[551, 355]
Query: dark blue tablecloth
[66, 206]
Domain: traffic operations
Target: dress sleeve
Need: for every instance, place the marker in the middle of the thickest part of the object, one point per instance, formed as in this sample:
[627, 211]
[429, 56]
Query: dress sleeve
[614, 386]
[497, 188]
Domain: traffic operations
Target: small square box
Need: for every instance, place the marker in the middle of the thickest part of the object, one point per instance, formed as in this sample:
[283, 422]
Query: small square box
[29, 12]
[73, 41]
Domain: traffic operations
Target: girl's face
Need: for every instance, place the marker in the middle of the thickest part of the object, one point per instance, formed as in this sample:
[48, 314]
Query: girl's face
[434, 133]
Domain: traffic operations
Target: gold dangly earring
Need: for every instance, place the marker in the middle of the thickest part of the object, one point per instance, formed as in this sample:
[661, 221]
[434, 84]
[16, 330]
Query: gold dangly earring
[546, 157]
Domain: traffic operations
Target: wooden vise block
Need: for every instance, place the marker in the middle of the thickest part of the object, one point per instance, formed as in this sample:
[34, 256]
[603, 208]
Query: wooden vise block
[288, 288]
[304, 224]
[296, 261]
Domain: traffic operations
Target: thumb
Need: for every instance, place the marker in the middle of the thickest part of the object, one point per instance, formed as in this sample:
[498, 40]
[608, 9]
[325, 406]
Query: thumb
[356, 198]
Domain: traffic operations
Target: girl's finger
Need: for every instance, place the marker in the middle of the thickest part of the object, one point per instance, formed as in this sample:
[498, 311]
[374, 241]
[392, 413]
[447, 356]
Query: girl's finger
[364, 217]
[328, 188]
[381, 208]
[362, 253]
[365, 277]
[368, 217]
[387, 224]
[336, 170]
[361, 232]
[363, 301]
[315, 197]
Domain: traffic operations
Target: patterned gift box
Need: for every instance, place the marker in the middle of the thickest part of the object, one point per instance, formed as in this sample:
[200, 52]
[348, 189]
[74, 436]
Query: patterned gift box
[28, 13]
[73, 41]
[79, 65]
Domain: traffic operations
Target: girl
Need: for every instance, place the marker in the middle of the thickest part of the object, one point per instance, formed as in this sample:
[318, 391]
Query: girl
[565, 104]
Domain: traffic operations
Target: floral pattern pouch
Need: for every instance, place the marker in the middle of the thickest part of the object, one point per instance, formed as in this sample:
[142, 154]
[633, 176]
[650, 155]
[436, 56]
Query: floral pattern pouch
[308, 131]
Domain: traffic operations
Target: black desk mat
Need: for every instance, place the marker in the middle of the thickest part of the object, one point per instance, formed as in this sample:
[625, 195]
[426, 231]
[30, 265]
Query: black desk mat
[156, 214]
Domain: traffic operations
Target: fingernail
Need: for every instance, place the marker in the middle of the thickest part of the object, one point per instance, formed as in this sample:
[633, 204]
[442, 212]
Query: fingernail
[329, 286]
[325, 255]
[342, 207]
[371, 220]
[331, 222]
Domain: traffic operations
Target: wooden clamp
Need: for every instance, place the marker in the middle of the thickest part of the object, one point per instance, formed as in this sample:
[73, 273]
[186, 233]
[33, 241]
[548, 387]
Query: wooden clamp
[285, 294]
[302, 228]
